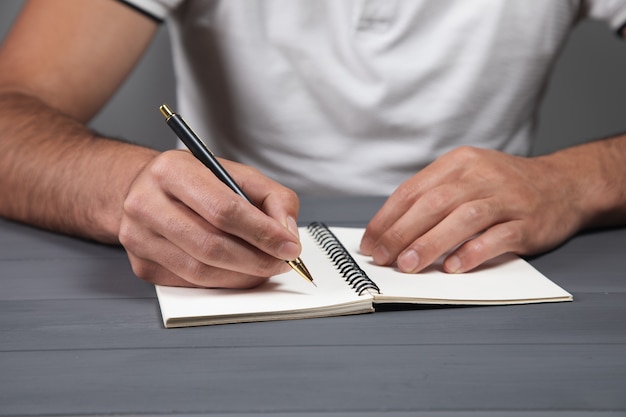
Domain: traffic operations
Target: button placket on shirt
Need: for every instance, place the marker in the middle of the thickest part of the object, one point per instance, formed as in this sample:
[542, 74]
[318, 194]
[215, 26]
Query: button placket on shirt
[376, 15]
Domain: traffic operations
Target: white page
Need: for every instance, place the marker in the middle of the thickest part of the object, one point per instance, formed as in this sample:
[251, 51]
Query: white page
[504, 279]
[508, 279]
[284, 293]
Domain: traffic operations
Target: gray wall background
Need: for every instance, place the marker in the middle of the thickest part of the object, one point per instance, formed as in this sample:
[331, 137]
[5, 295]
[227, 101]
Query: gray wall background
[586, 98]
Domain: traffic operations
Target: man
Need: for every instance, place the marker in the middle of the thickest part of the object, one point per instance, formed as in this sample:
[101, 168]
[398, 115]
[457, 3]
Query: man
[321, 96]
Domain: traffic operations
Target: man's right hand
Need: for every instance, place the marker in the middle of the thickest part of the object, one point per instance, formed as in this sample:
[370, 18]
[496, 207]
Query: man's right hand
[59, 65]
[182, 226]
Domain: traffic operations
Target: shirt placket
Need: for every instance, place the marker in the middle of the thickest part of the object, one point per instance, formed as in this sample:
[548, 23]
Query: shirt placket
[376, 15]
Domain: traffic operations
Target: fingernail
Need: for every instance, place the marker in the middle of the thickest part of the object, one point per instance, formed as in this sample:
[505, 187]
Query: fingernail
[381, 255]
[288, 251]
[453, 264]
[408, 261]
[292, 226]
[367, 245]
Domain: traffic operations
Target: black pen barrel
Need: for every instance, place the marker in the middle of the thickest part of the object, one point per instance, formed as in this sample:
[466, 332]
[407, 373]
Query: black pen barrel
[199, 149]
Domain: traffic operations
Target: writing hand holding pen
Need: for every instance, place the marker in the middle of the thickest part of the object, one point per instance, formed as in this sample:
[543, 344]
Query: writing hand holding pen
[199, 149]
[182, 226]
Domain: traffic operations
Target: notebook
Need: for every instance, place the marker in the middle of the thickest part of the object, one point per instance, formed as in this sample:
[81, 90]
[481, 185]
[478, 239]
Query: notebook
[350, 283]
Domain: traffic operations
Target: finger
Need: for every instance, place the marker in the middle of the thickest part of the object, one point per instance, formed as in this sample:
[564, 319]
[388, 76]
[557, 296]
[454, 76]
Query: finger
[164, 263]
[394, 208]
[275, 200]
[499, 239]
[464, 222]
[157, 274]
[423, 215]
[186, 232]
[229, 220]
[200, 190]
[443, 170]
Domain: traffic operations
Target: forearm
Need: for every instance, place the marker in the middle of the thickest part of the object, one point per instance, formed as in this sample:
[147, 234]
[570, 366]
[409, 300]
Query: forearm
[594, 175]
[57, 174]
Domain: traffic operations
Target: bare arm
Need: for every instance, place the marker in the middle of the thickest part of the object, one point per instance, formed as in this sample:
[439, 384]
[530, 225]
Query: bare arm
[490, 203]
[485, 203]
[179, 224]
[58, 66]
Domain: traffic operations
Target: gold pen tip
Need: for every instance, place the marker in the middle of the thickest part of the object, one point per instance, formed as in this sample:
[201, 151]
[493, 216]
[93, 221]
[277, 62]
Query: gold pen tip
[301, 269]
[166, 111]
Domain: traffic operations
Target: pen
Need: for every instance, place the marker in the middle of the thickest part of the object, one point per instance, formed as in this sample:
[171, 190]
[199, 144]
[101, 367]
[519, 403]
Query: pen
[202, 152]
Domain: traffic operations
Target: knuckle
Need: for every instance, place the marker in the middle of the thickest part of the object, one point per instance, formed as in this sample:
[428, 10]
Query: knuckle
[134, 204]
[438, 200]
[162, 165]
[128, 238]
[480, 212]
[395, 237]
[125, 238]
[289, 196]
[465, 153]
[211, 247]
[474, 212]
[222, 212]
[408, 190]
[191, 270]
[513, 236]
[264, 241]
[143, 270]
[196, 272]
[472, 248]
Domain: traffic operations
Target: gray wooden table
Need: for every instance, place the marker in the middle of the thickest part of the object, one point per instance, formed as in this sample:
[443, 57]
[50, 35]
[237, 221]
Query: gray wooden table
[80, 335]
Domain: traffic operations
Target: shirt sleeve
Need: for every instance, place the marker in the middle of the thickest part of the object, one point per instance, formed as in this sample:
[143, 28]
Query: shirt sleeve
[612, 11]
[157, 9]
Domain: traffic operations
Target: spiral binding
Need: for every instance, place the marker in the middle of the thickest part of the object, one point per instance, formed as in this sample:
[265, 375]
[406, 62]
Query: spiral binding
[344, 262]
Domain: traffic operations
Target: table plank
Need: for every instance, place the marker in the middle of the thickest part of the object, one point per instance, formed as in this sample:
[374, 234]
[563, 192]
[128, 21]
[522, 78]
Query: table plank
[238, 379]
[128, 323]
[82, 335]
[590, 262]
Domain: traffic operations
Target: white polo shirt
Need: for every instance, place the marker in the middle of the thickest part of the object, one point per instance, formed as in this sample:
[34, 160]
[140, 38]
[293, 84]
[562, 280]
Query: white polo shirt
[355, 96]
